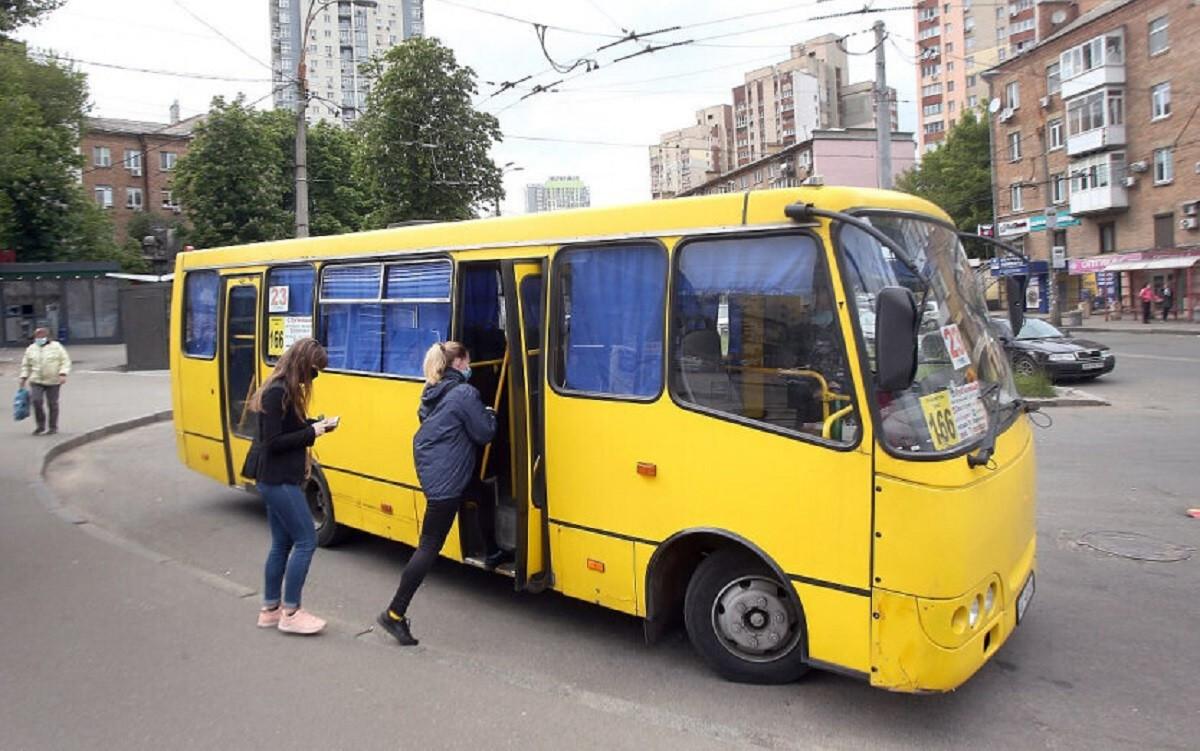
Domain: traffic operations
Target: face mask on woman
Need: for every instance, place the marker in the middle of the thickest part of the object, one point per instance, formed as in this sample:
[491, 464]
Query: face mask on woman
[466, 374]
[314, 373]
[41, 341]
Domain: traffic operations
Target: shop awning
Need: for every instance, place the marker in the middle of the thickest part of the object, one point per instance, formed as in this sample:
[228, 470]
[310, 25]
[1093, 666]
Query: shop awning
[1153, 263]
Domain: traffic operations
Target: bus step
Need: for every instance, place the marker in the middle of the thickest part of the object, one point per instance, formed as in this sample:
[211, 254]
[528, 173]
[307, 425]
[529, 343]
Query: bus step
[504, 569]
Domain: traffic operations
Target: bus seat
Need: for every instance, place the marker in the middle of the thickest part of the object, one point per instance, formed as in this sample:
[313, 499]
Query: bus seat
[704, 378]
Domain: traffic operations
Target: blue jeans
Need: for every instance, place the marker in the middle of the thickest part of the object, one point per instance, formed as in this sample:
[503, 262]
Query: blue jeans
[293, 540]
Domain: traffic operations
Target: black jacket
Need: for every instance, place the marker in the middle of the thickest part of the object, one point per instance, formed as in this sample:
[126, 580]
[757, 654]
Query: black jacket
[283, 438]
[453, 422]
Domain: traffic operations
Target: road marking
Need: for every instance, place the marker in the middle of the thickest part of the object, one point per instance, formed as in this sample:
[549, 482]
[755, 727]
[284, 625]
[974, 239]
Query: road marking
[1166, 358]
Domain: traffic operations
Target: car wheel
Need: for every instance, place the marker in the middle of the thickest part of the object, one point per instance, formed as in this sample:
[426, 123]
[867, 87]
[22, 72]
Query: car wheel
[320, 505]
[1024, 365]
[743, 621]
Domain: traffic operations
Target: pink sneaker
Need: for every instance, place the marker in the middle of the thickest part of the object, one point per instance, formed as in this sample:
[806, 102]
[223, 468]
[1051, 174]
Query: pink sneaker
[269, 618]
[301, 622]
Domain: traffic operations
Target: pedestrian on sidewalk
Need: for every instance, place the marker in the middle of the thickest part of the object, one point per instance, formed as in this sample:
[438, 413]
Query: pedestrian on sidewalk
[45, 367]
[454, 422]
[284, 436]
[1168, 300]
[1148, 299]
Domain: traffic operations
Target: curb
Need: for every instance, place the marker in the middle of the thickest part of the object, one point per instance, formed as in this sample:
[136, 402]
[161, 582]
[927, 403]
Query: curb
[1069, 402]
[1149, 330]
[97, 434]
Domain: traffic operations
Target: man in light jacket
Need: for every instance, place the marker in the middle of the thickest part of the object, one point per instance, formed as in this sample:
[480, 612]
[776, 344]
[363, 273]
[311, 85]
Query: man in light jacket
[45, 368]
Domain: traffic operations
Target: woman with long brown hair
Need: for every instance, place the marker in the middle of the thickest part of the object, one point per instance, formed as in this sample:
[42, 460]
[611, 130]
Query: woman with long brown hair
[285, 434]
[454, 422]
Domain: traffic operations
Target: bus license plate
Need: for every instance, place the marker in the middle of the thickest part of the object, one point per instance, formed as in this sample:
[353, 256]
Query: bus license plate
[1092, 365]
[1024, 598]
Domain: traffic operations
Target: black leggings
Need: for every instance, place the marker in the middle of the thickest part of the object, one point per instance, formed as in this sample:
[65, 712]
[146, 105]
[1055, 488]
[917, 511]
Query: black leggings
[439, 516]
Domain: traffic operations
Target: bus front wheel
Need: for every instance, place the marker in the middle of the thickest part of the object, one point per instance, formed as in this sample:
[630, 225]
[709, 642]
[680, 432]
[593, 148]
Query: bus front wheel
[320, 505]
[743, 621]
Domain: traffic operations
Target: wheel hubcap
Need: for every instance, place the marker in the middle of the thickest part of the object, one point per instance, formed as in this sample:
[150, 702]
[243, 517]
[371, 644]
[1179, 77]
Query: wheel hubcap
[754, 619]
[1024, 367]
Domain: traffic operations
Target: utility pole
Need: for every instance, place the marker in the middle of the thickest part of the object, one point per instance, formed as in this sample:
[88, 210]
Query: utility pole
[883, 112]
[1048, 192]
[302, 131]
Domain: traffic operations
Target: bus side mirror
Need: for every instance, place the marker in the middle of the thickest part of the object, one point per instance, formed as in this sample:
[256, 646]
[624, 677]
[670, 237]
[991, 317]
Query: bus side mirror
[1014, 290]
[896, 320]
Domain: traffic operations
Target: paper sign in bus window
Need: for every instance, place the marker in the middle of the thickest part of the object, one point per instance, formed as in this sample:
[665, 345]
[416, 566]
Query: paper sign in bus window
[955, 346]
[277, 299]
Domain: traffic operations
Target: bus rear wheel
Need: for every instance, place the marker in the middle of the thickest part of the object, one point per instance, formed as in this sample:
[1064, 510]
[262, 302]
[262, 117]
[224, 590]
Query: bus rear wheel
[320, 505]
[743, 621]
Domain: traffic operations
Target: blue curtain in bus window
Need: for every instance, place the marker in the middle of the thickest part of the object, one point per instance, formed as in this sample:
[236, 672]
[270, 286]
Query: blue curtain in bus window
[200, 292]
[352, 331]
[425, 280]
[299, 282]
[410, 330]
[613, 335]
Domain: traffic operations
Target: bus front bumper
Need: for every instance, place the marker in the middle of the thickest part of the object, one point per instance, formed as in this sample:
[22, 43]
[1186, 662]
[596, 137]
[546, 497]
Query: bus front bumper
[921, 645]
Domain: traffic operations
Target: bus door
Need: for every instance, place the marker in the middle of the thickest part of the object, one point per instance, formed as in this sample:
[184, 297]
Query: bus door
[524, 298]
[239, 368]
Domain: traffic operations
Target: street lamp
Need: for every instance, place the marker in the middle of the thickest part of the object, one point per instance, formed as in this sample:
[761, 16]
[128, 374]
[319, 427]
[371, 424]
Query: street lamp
[504, 170]
[314, 7]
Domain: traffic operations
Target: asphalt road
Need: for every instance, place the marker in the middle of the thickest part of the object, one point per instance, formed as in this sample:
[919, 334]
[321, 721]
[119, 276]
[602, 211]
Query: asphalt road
[1107, 657]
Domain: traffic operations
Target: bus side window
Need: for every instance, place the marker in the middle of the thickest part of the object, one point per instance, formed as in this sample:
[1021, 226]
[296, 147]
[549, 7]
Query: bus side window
[611, 308]
[200, 290]
[755, 333]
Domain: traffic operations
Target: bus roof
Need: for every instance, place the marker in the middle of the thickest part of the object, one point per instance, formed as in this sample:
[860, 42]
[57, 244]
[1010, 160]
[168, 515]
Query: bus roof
[664, 218]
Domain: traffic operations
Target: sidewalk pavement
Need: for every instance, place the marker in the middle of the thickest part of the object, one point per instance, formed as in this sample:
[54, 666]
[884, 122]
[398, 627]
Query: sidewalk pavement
[107, 645]
[1130, 325]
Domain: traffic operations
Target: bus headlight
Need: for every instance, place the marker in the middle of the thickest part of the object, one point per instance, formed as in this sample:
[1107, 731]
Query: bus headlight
[989, 599]
[973, 611]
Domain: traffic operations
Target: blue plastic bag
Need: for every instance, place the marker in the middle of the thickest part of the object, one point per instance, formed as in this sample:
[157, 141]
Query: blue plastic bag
[21, 404]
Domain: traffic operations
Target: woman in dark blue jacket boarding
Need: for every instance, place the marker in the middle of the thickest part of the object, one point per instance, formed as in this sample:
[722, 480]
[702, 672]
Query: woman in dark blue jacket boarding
[454, 421]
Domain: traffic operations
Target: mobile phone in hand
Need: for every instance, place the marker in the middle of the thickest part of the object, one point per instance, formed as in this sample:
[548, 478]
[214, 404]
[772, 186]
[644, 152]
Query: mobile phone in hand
[332, 423]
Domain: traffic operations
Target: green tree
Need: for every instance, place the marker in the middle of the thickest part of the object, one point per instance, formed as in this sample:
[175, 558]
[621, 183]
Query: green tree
[336, 197]
[425, 147]
[957, 175]
[232, 182]
[17, 13]
[44, 213]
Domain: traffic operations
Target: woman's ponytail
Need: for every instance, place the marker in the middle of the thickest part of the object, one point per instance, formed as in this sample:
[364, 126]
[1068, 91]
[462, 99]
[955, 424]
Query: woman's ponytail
[439, 357]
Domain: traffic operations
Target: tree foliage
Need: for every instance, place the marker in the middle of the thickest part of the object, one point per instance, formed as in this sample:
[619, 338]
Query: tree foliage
[17, 13]
[425, 147]
[44, 213]
[231, 182]
[957, 175]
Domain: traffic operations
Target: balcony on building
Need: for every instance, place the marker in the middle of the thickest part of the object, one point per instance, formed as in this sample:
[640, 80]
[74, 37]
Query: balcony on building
[1098, 184]
[1098, 62]
[1096, 121]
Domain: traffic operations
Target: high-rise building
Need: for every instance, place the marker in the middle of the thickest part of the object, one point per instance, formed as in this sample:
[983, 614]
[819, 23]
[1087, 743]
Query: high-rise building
[568, 192]
[689, 156]
[341, 36]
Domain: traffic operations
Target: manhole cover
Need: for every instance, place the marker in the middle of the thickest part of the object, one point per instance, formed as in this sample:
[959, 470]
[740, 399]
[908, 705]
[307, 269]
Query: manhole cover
[1136, 546]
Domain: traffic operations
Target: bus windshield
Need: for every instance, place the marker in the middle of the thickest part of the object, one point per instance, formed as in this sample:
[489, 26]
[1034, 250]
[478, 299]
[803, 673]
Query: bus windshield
[962, 379]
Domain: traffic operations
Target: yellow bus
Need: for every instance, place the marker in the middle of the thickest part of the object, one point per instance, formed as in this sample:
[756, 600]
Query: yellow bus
[778, 417]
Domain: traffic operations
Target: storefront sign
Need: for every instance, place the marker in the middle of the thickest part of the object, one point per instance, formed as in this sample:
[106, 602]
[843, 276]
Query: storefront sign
[1035, 223]
[1014, 227]
[1093, 264]
[1011, 266]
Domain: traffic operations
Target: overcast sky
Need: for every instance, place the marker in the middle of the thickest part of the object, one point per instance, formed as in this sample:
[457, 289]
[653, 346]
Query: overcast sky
[628, 103]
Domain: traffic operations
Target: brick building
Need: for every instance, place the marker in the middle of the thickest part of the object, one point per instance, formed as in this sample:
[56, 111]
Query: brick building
[1097, 125]
[128, 164]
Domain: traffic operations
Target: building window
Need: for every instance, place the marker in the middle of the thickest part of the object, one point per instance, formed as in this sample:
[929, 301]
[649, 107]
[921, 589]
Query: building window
[1164, 166]
[746, 314]
[971, 79]
[1159, 42]
[950, 108]
[134, 199]
[168, 199]
[166, 160]
[972, 101]
[1014, 146]
[1015, 198]
[133, 162]
[949, 86]
[1012, 94]
[932, 109]
[101, 156]
[1160, 100]
[1053, 81]
[1054, 131]
[104, 196]
[1096, 171]
[1108, 236]
[200, 289]
[610, 312]
[1089, 112]
[1164, 230]
[935, 127]
[1058, 187]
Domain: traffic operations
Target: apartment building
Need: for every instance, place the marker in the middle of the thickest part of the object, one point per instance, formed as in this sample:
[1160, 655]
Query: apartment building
[955, 42]
[687, 157]
[128, 164]
[567, 192]
[846, 156]
[1096, 158]
[340, 37]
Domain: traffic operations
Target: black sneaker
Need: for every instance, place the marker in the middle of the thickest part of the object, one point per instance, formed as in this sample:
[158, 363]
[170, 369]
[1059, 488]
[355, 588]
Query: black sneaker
[52, 431]
[39, 431]
[495, 559]
[398, 629]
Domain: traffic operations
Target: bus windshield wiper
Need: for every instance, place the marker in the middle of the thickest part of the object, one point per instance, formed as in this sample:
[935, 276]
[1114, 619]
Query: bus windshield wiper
[984, 455]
